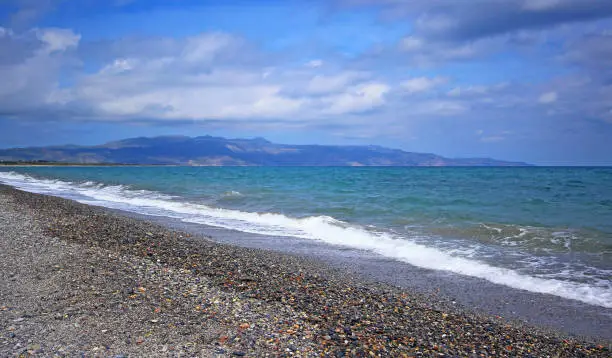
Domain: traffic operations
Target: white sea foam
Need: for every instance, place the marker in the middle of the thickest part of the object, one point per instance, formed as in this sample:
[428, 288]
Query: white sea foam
[321, 228]
[232, 193]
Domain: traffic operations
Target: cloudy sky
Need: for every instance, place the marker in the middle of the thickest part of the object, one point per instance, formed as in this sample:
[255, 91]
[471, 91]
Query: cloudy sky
[526, 80]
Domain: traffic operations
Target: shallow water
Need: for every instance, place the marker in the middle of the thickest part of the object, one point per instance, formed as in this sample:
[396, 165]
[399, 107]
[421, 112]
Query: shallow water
[544, 230]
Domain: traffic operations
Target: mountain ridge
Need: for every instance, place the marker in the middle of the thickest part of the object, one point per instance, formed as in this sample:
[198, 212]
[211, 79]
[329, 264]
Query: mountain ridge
[218, 151]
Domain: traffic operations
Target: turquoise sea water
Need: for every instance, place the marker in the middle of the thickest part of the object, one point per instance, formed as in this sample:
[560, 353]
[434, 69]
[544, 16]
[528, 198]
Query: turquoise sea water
[545, 230]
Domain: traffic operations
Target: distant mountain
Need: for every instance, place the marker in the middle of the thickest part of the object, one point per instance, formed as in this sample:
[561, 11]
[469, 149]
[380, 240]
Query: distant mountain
[217, 151]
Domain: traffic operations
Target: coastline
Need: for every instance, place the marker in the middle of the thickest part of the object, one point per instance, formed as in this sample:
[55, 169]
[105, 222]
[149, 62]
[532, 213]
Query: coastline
[164, 292]
[471, 294]
[78, 165]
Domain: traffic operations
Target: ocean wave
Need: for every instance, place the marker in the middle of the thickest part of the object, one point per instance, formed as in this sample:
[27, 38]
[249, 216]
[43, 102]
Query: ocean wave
[321, 228]
[536, 239]
[232, 194]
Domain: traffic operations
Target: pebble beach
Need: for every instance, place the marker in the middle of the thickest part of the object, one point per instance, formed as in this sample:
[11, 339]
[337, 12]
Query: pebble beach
[78, 280]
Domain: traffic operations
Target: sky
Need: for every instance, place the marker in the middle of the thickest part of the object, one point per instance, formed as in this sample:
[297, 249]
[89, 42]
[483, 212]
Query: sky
[526, 80]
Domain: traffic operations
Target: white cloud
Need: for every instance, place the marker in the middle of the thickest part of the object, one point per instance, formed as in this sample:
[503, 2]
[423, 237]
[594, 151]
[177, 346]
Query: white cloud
[321, 84]
[548, 97]
[464, 51]
[119, 65]
[58, 39]
[411, 44]
[314, 63]
[209, 102]
[359, 98]
[216, 76]
[453, 20]
[442, 108]
[31, 66]
[470, 90]
[476, 90]
[205, 80]
[498, 136]
[204, 47]
[427, 53]
[148, 91]
[422, 84]
[5, 32]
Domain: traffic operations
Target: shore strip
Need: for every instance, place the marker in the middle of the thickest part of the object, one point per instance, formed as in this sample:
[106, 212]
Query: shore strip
[81, 280]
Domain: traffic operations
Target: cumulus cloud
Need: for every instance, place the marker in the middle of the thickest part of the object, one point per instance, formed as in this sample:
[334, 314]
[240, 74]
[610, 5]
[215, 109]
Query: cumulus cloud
[204, 48]
[359, 98]
[220, 77]
[462, 20]
[320, 84]
[201, 77]
[205, 77]
[58, 39]
[172, 86]
[30, 67]
[422, 84]
[448, 30]
[424, 52]
[556, 32]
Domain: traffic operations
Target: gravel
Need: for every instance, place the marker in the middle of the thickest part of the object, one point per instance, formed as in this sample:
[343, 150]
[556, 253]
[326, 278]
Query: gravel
[81, 280]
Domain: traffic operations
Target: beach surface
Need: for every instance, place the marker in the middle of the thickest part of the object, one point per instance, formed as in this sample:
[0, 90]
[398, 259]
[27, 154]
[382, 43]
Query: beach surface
[81, 280]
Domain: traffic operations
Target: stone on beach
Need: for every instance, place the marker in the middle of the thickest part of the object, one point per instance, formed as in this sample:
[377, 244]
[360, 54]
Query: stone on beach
[88, 281]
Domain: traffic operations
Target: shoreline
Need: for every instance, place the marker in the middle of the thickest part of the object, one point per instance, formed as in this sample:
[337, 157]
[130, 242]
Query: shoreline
[464, 293]
[226, 299]
[86, 165]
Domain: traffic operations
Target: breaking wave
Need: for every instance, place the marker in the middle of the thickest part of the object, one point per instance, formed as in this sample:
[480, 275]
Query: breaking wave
[321, 228]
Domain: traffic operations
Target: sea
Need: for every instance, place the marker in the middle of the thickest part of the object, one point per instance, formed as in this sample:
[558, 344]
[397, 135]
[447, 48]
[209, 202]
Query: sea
[539, 229]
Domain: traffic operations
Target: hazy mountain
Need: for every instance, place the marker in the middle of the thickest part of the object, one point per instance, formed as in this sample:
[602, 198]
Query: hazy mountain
[207, 150]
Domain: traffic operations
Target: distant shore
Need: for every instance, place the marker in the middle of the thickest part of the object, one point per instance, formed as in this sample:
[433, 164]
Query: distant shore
[58, 164]
[61, 164]
[82, 280]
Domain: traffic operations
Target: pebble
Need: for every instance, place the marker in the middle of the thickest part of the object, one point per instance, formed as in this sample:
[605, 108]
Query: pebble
[185, 295]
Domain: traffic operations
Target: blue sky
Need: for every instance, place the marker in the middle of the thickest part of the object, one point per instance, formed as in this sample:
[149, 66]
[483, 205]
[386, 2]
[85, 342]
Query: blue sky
[526, 80]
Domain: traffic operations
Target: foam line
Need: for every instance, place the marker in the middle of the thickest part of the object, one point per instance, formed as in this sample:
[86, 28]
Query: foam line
[321, 228]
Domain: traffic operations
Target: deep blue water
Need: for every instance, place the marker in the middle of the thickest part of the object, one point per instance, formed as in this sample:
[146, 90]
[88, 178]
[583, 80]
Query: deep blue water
[546, 230]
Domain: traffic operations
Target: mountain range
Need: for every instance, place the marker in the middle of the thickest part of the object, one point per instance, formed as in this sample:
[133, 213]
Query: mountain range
[218, 151]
